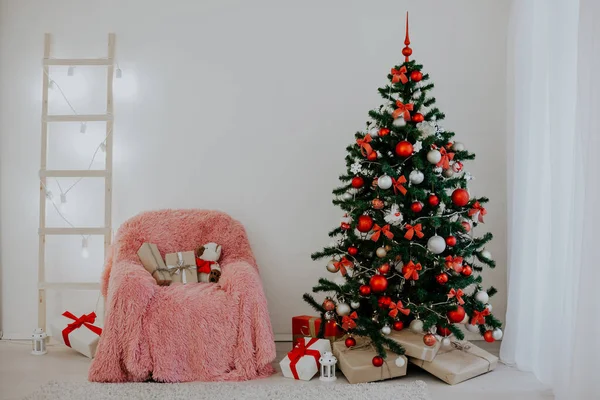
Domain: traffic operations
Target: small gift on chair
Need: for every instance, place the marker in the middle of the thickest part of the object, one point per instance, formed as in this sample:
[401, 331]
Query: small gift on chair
[182, 266]
[78, 333]
[303, 361]
[153, 262]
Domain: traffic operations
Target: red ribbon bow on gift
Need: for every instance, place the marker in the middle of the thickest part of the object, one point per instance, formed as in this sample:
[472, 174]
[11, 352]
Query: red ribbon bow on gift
[379, 230]
[456, 294]
[397, 183]
[403, 109]
[300, 350]
[397, 307]
[398, 75]
[342, 264]
[477, 209]
[365, 147]
[410, 270]
[348, 321]
[85, 320]
[203, 266]
[446, 157]
[454, 263]
[413, 230]
[479, 316]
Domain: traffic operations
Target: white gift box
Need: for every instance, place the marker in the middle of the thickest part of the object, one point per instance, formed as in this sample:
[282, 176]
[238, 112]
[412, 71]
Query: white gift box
[82, 332]
[303, 361]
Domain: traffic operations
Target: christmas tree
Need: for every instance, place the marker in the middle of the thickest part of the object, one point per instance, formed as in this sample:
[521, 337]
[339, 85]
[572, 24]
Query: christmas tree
[406, 246]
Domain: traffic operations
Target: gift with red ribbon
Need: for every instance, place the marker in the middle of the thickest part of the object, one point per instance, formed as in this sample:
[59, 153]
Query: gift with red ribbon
[378, 231]
[478, 211]
[303, 361]
[399, 75]
[78, 333]
[306, 325]
[403, 109]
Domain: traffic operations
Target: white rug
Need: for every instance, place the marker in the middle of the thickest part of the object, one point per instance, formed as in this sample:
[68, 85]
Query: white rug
[253, 390]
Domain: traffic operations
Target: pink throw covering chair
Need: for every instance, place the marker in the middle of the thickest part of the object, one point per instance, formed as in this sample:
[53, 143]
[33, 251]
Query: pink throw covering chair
[202, 331]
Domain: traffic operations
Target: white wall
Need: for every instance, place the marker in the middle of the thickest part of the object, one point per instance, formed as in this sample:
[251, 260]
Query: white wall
[242, 106]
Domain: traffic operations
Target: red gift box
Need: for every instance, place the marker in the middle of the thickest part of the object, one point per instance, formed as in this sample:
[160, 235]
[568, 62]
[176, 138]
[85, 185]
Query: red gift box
[305, 325]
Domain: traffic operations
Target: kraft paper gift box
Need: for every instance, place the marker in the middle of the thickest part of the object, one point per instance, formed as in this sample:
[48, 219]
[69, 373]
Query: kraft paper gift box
[153, 262]
[414, 346]
[182, 266]
[357, 363]
[462, 361]
[303, 361]
[305, 325]
[78, 333]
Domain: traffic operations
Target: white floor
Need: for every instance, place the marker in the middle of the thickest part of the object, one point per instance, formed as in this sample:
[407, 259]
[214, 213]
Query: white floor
[22, 373]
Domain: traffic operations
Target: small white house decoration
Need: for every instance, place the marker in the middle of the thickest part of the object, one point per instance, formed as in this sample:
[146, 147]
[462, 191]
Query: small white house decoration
[328, 362]
[38, 342]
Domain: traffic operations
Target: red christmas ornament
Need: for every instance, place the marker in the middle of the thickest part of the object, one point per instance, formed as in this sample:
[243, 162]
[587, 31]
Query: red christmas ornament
[443, 331]
[384, 301]
[378, 283]
[418, 117]
[377, 204]
[433, 200]
[488, 336]
[328, 305]
[457, 315]
[365, 223]
[384, 132]
[451, 241]
[384, 269]
[441, 278]
[352, 250]
[460, 197]
[350, 341]
[416, 76]
[345, 226]
[364, 290]
[372, 156]
[398, 325]
[429, 340]
[466, 225]
[467, 270]
[406, 52]
[404, 149]
[377, 361]
[358, 182]
[416, 207]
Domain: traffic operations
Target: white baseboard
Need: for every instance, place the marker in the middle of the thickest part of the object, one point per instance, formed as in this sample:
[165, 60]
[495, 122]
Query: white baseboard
[15, 336]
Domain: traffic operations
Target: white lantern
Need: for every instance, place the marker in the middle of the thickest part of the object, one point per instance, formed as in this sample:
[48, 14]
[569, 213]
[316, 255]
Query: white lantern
[38, 342]
[328, 362]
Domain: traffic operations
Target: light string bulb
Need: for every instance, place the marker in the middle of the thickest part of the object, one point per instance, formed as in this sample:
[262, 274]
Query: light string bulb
[83, 127]
[71, 71]
[118, 72]
[85, 253]
[63, 203]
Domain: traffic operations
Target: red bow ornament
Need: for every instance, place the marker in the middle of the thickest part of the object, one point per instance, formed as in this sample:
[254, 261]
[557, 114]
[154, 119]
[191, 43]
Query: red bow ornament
[300, 350]
[456, 294]
[379, 230]
[411, 231]
[479, 317]
[403, 109]
[477, 210]
[454, 263]
[397, 184]
[397, 307]
[203, 266]
[410, 270]
[84, 320]
[342, 265]
[348, 321]
[446, 158]
[365, 147]
[398, 75]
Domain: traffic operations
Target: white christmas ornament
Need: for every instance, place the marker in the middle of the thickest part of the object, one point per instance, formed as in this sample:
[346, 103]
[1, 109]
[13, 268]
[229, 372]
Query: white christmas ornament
[482, 296]
[416, 177]
[489, 307]
[384, 182]
[353, 190]
[393, 216]
[347, 196]
[465, 320]
[458, 146]
[434, 156]
[448, 173]
[497, 334]
[386, 330]
[342, 309]
[381, 252]
[426, 128]
[355, 304]
[356, 167]
[472, 328]
[374, 131]
[399, 122]
[400, 362]
[416, 326]
[486, 254]
[331, 267]
[446, 342]
[436, 244]
[417, 146]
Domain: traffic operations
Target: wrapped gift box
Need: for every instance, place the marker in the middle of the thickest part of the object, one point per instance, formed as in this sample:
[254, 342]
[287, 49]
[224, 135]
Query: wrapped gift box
[414, 346]
[305, 325]
[78, 333]
[182, 266]
[462, 361]
[153, 262]
[303, 361]
[357, 363]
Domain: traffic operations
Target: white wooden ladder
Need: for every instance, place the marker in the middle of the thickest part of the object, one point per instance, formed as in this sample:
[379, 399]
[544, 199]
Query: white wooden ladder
[106, 173]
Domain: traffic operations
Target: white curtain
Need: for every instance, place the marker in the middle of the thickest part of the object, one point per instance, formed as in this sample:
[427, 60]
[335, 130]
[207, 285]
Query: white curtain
[553, 315]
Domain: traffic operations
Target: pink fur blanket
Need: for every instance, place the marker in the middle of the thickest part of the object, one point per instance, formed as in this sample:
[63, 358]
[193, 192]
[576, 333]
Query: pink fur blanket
[178, 333]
